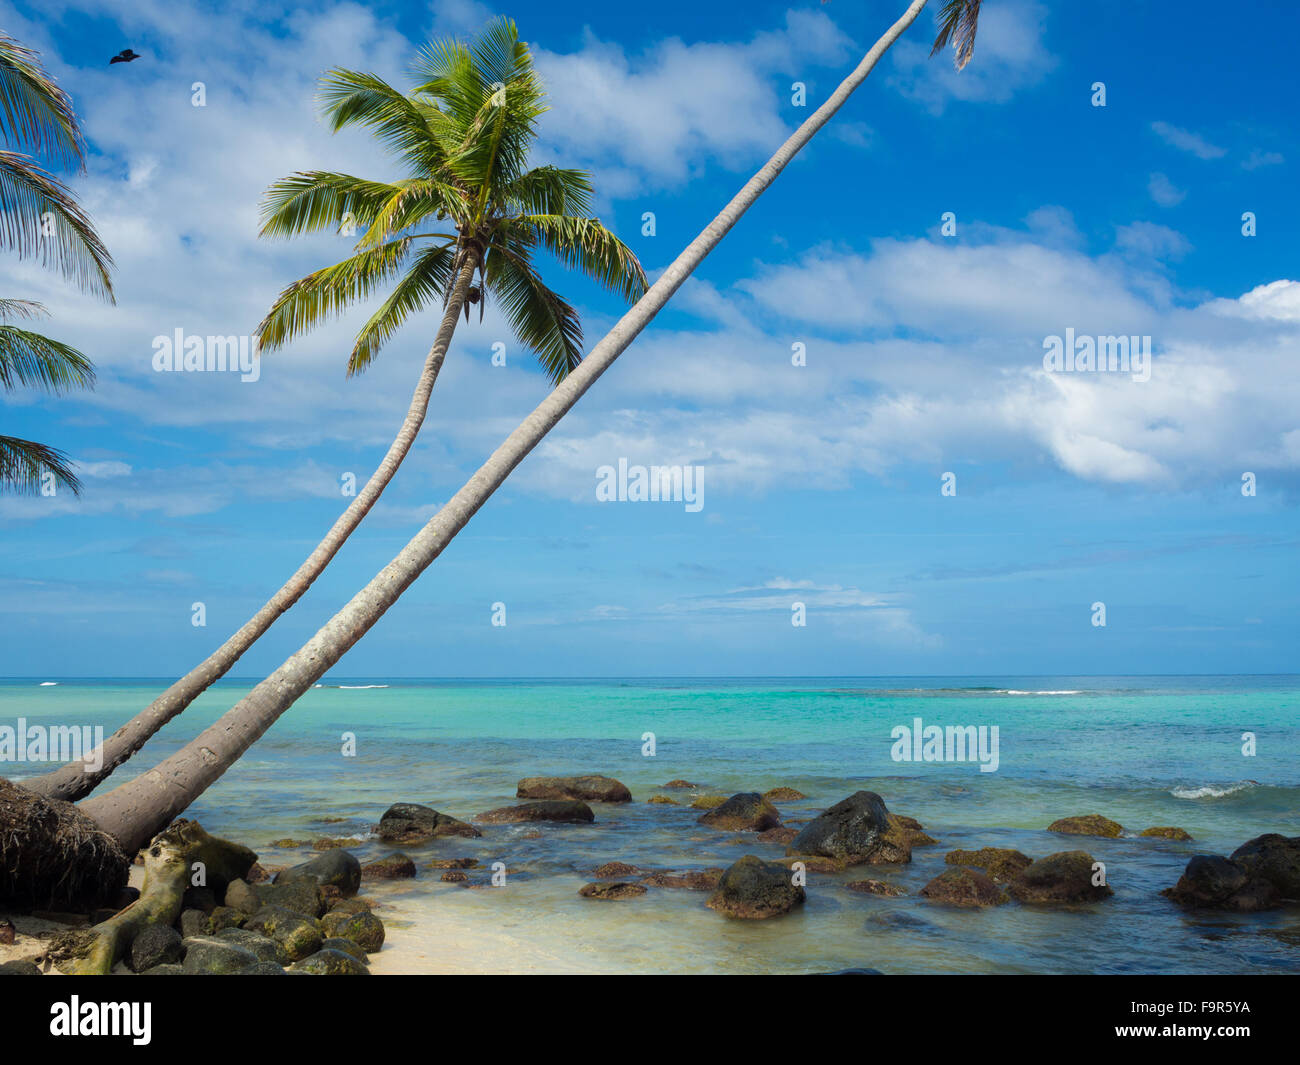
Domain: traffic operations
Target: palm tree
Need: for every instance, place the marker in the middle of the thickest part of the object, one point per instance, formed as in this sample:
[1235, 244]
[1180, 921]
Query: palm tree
[134, 811]
[464, 227]
[40, 219]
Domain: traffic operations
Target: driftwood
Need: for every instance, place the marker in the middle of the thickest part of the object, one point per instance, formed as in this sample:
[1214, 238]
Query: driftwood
[181, 856]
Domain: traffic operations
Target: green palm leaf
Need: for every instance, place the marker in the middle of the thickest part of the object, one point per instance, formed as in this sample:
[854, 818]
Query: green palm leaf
[429, 275]
[23, 464]
[543, 321]
[328, 292]
[40, 219]
[30, 359]
[34, 112]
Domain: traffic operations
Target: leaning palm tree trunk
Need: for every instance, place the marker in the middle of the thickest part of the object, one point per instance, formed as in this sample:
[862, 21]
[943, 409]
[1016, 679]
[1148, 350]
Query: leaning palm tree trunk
[76, 780]
[134, 811]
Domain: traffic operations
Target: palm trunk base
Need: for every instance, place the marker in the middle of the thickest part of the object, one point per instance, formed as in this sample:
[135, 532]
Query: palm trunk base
[54, 857]
[170, 865]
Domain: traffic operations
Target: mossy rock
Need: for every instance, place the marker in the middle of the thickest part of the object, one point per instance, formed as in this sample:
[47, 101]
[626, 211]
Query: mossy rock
[344, 945]
[299, 936]
[331, 963]
[965, 887]
[396, 866]
[1063, 877]
[266, 948]
[753, 889]
[663, 800]
[1000, 864]
[155, 945]
[708, 802]
[1088, 825]
[1167, 832]
[364, 929]
[783, 794]
[209, 956]
[619, 889]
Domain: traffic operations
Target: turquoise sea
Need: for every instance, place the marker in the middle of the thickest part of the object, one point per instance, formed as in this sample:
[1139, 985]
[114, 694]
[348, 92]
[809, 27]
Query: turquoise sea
[1143, 751]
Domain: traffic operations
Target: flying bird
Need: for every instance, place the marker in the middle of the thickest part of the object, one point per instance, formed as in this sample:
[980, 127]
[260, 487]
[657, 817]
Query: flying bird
[124, 56]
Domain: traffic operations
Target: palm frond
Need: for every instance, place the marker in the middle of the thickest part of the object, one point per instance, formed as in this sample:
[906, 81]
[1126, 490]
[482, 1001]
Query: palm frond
[543, 321]
[30, 359]
[957, 21]
[328, 292]
[350, 97]
[318, 200]
[35, 114]
[429, 276]
[550, 190]
[24, 463]
[40, 219]
[584, 244]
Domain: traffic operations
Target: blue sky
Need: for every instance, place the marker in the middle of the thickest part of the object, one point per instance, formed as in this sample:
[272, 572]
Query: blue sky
[822, 482]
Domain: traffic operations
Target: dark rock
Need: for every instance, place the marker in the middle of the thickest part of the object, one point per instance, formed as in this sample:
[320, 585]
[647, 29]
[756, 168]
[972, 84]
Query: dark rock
[778, 835]
[855, 972]
[1000, 864]
[214, 957]
[346, 946]
[353, 905]
[680, 784]
[301, 895]
[1167, 832]
[241, 896]
[453, 863]
[585, 788]
[334, 868]
[963, 886]
[410, 823]
[1087, 825]
[297, 935]
[1274, 858]
[193, 923]
[266, 948]
[746, 812]
[1062, 877]
[170, 969]
[155, 945]
[328, 843]
[20, 967]
[707, 802]
[256, 874]
[454, 876]
[396, 866]
[854, 830]
[1212, 882]
[200, 898]
[331, 963]
[364, 929]
[753, 889]
[603, 889]
[566, 810]
[8, 933]
[261, 968]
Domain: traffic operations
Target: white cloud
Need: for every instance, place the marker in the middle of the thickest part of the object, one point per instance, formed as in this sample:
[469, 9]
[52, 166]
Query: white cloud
[1187, 141]
[1164, 191]
[657, 119]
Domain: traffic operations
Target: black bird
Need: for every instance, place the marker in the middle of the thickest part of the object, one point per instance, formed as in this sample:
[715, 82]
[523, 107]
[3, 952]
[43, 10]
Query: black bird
[124, 56]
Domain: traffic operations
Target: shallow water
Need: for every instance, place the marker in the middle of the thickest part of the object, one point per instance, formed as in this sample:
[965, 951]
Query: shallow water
[1142, 751]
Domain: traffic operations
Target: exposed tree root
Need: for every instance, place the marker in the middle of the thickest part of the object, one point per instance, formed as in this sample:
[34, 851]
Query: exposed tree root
[54, 857]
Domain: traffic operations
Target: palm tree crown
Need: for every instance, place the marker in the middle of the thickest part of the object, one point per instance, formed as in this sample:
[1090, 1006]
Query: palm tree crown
[463, 134]
[41, 219]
